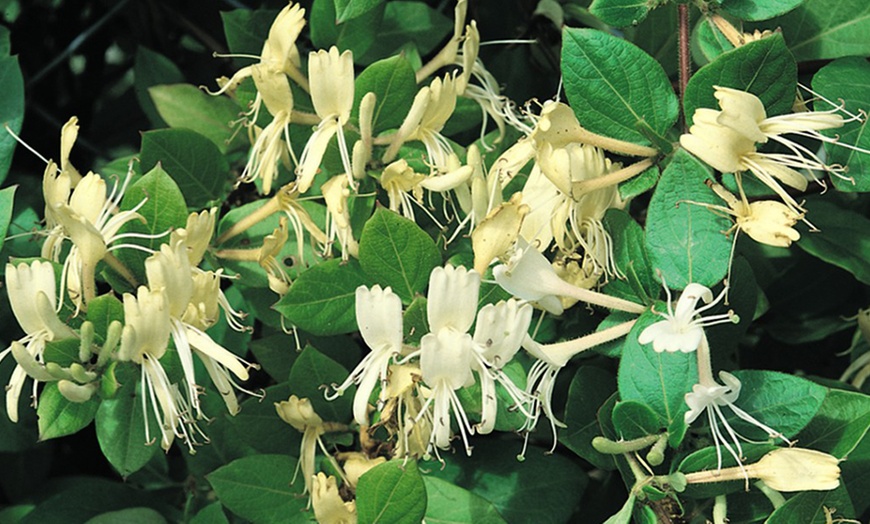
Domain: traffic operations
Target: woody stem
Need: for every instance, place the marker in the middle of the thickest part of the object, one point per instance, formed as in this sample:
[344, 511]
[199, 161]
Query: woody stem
[683, 49]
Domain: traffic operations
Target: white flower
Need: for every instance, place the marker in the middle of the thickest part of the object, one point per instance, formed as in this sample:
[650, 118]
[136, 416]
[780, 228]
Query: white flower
[681, 330]
[329, 507]
[712, 398]
[300, 414]
[379, 316]
[33, 297]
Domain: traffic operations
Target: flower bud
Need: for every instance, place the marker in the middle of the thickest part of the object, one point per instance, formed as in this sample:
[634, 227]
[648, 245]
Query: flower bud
[298, 413]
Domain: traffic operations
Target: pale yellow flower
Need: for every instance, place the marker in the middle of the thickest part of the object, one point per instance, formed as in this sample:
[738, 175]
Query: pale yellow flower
[329, 507]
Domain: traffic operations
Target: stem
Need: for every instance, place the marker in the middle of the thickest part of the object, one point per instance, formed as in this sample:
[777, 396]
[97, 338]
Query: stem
[578, 189]
[121, 269]
[683, 49]
[269, 208]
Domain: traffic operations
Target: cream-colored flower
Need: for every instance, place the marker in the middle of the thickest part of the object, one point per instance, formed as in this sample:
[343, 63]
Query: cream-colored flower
[683, 327]
[196, 234]
[765, 221]
[726, 140]
[300, 414]
[335, 194]
[797, 469]
[497, 233]
[33, 297]
[329, 507]
[356, 464]
[332, 87]
[268, 254]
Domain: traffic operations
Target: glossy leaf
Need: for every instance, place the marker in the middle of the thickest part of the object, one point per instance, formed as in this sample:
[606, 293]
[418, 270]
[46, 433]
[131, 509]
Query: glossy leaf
[349, 9]
[11, 109]
[838, 426]
[312, 372]
[632, 419]
[394, 85]
[758, 9]
[58, 417]
[260, 488]
[823, 29]
[614, 86]
[809, 507]
[391, 493]
[842, 241]
[620, 13]
[685, 241]
[590, 388]
[185, 106]
[120, 424]
[151, 69]
[449, 504]
[630, 255]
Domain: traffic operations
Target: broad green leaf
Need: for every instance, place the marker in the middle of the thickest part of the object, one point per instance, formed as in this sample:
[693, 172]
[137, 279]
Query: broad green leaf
[623, 516]
[839, 425]
[842, 241]
[260, 488]
[639, 184]
[414, 22]
[393, 83]
[615, 87]
[518, 489]
[708, 41]
[79, 498]
[349, 9]
[59, 417]
[764, 68]
[183, 105]
[751, 10]
[356, 35]
[150, 69]
[120, 424]
[211, 514]
[809, 507]
[685, 241]
[449, 504]
[632, 419]
[62, 352]
[129, 516]
[258, 425]
[11, 109]
[822, 29]
[102, 310]
[630, 256]
[415, 323]
[391, 493]
[322, 300]
[856, 475]
[276, 353]
[312, 372]
[247, 29]
[621, 13]
[847, 81]
[590, 388]
[783, 402]
[655, 35]
[659, 380]
[395, 252]
[164, 209]
[7, 201]
[193, 162]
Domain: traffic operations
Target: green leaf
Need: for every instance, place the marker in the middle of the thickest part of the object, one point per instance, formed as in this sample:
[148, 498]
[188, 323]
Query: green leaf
[809, 507]
[11, 109]
[192, 160]
[62, 352]
[590, 388]
[614, 87]
[311, 373]
[783, 402]
[247, 29]
[843, 239]
[519, 490]
[621, 13]
[349, 9]
[211, 514]
[395, 252]
[708, 41]
[685, 241]
[856, 475]
[393, 82]
[630, 256]
[77, 499]
[59, 417]
[839, 425]
[322, 300]
[659, 380]
[391, 493]
[120, 424]
[708, 459]
[150, 69]
[102, 310]
[129, 516]
[164, 209]
[623, 516]
[275, 353]
[449, 504]
[415, 323]
[764, 68]
[752, 10]
[183, 105]
[258, 426]
[847, 81]
[260, 488]
[413, 22]
[356, 35]
[823, 29]
[7, 202]
[633, 419]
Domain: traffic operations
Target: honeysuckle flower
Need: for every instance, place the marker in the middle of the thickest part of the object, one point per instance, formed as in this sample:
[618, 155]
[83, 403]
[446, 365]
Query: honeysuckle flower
[379, 316]
[498, 232]
[329, 507]
[783, 469]
[335, 194]
[447, 351]
[765, 221]
[33, 297]
[196, 234]
[498, 335]
[331, 78]
[144, 341]
[528, 275]
[682, 329]
[432, 107]
[356, 464]
[403, 187]
[402, 415]
[710, 397]
[267, 257]
[192, 304]
[486, 91]
[300, 414]
[726, 140]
